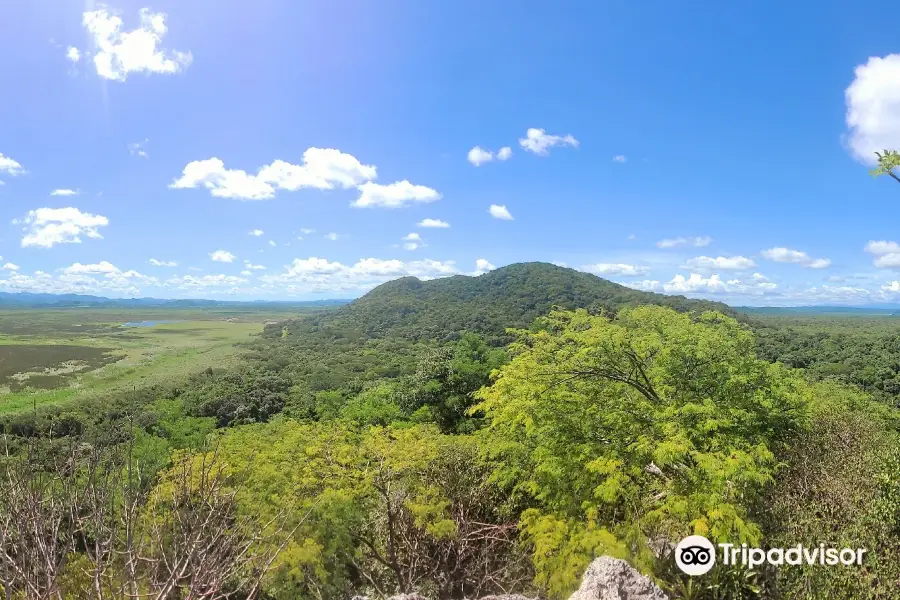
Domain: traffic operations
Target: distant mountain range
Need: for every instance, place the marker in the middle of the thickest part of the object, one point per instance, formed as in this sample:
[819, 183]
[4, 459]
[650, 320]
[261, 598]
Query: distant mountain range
[26, 299]
[886, 310]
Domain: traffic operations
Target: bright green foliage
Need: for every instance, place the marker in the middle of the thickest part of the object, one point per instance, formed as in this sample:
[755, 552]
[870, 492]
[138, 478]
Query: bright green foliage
[373, 406]
[651, 424]
[447, 378]
[888, 160]
[382, 506]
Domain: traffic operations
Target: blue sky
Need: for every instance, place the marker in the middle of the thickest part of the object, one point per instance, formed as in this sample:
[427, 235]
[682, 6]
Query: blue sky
[740, 134]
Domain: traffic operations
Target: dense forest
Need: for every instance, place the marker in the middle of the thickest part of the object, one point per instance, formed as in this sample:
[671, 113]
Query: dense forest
[467, 436]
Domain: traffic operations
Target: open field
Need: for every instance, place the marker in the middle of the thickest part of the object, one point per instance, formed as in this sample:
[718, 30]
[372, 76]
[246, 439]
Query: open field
[59, 354]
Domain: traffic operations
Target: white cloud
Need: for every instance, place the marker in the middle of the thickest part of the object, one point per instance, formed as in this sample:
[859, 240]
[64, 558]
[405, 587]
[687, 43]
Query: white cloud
[307, 231]
[191, 282]
[272, 243]
[882, 247]
[10, 166]
[733, 263]
[435, 223]
[647, 285]
[887, 254]
[760, 277]
[698, 284]
[9, 267]
[540, 142]
[787, 255]
[615, 269]
[103, 267]
[631, 237]
[499, 211]
[73, 54]
[697, 242]
[162, 263]
[246, 273]
[64, 192]
[222, 256]
[249, 265]
[504, 153]
[413, 241]
[478, 156]
[256, 232]
[322, 168]
[483, 266]
[46, 227]
[394, 195]
[620, 158]
[318, 274]
[119, 52]
[332, 236]
[887, 261]
[873, 107]
[138, 149]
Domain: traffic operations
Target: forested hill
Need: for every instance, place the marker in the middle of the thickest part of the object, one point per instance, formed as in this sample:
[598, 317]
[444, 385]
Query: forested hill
[511, 296]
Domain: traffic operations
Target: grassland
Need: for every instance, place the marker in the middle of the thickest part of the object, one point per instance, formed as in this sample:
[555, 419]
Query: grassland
[55, 355]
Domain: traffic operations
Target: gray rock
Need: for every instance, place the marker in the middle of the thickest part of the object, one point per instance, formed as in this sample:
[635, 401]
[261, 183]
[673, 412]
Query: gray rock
[614, 579]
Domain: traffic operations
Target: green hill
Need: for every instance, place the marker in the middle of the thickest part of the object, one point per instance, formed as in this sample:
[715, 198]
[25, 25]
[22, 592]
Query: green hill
[512, 296]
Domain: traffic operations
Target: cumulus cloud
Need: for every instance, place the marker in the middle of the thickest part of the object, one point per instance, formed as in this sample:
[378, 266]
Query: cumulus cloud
[102, 267]
[620, 158]
[46, 227]
[332, 236]
[222, 256]
[434, 223]
[307, 231]
[731, 263]
[697, 242]
[499, 211]
[162, 263]
[483, 266]
[10, 166]
[696, 283]
[256, 232]
[395, 195]
[873, 107]
[321, 168]
[887, 254]
[787, 255]
[64, 192]
[539, 141]
[119, 52]
[73, 54]
[10, 267]
[319, 274]
[272, 243]
[615, 269]
[250, 266]
[478, 156]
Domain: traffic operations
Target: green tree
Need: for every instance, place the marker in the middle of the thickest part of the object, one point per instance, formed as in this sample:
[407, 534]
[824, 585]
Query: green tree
[652, 425]
[888, 160]
[447, 378]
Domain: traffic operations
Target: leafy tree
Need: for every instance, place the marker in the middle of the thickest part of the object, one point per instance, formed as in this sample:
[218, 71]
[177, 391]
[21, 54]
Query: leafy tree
[652, 425]
[888, 160]
[447, 378]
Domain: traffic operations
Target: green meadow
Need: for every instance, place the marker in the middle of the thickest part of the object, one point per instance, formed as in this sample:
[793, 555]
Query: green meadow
[55, 355]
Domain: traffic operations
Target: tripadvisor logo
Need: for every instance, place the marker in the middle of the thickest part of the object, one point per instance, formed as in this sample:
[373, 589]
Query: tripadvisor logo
[696, 555]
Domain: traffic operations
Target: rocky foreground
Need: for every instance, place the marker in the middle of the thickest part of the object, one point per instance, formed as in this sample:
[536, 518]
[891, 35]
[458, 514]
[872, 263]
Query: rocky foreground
[605, 579]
